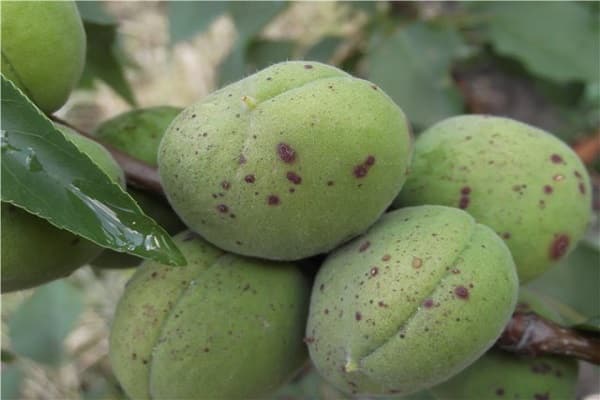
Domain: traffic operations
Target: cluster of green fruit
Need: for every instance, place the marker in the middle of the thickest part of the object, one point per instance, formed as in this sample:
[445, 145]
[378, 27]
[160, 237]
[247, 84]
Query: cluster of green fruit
[295, 161]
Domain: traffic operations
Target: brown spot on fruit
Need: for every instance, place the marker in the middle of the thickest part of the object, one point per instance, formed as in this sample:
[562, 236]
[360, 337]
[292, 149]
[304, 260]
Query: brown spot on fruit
[358, 316]
[500, 392]
[461, 292]
[386, 257]
[273, 200]
[222, 208]
[464, 202]
[548, 189]
[559, 246]
[428, 303]
[308, 66]
[225, 185]
[249, 178]
[506, 235]
[556, 159]
[465, 190]
[242, 159]
[362, 169]
[329, 183]
[558, 177]
[373, 271]
[309, 339]
[364, 246]
[286, 153]
[581, 188]
[381, 304]
[294, 178]
[417, 262]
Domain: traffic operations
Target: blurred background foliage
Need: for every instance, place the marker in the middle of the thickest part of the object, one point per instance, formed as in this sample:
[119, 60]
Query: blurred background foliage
[534, 62]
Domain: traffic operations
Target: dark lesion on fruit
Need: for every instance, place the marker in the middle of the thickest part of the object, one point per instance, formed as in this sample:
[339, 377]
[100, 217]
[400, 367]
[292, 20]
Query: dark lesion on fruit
[559, 246]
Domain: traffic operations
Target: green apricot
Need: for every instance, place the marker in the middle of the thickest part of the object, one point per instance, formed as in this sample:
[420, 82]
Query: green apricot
[502, 375]
[35, 251]
[97, 153]
[287, 163]
[424, 293]
[224, 326]
[522, 182]
[43, 49]
[138, 132]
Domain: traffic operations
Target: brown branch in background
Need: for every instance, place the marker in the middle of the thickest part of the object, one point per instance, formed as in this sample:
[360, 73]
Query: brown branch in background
[588, 148]
[528, 333]
[138, 173]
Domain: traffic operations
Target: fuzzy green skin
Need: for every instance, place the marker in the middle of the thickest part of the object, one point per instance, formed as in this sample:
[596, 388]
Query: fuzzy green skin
[138, 132]
[33, 250]
[224, 326]
[429, 293]
[524, 183]
[502, 375]
[331, 124]
[43, 49]
[36, 252]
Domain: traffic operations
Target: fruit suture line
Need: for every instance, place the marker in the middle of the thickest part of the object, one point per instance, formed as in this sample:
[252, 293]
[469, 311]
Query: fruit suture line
[525, 333]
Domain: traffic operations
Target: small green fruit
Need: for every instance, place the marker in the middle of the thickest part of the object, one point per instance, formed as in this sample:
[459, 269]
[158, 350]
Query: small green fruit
[223, 327]
[138, 132]
[286, 163]
[33, 250]
[43, 49]
[522, 182]
[424, 293]
[502, 375]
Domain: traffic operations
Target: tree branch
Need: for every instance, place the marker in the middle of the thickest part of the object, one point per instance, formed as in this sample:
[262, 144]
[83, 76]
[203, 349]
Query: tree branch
[139, 174]
[530, 334]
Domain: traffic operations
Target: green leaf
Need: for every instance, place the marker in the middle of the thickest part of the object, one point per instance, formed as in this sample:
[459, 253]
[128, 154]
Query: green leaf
[324, 49]
[8, 356]
[558, 40]
[413, 67]
[574, 281]
[187, 18]
[250, 18]
[39, 326]
[233, 67]
[591, 325]
[48, 176]
[94, 11]
[102, 61]
[11, 379]
[263, 53]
